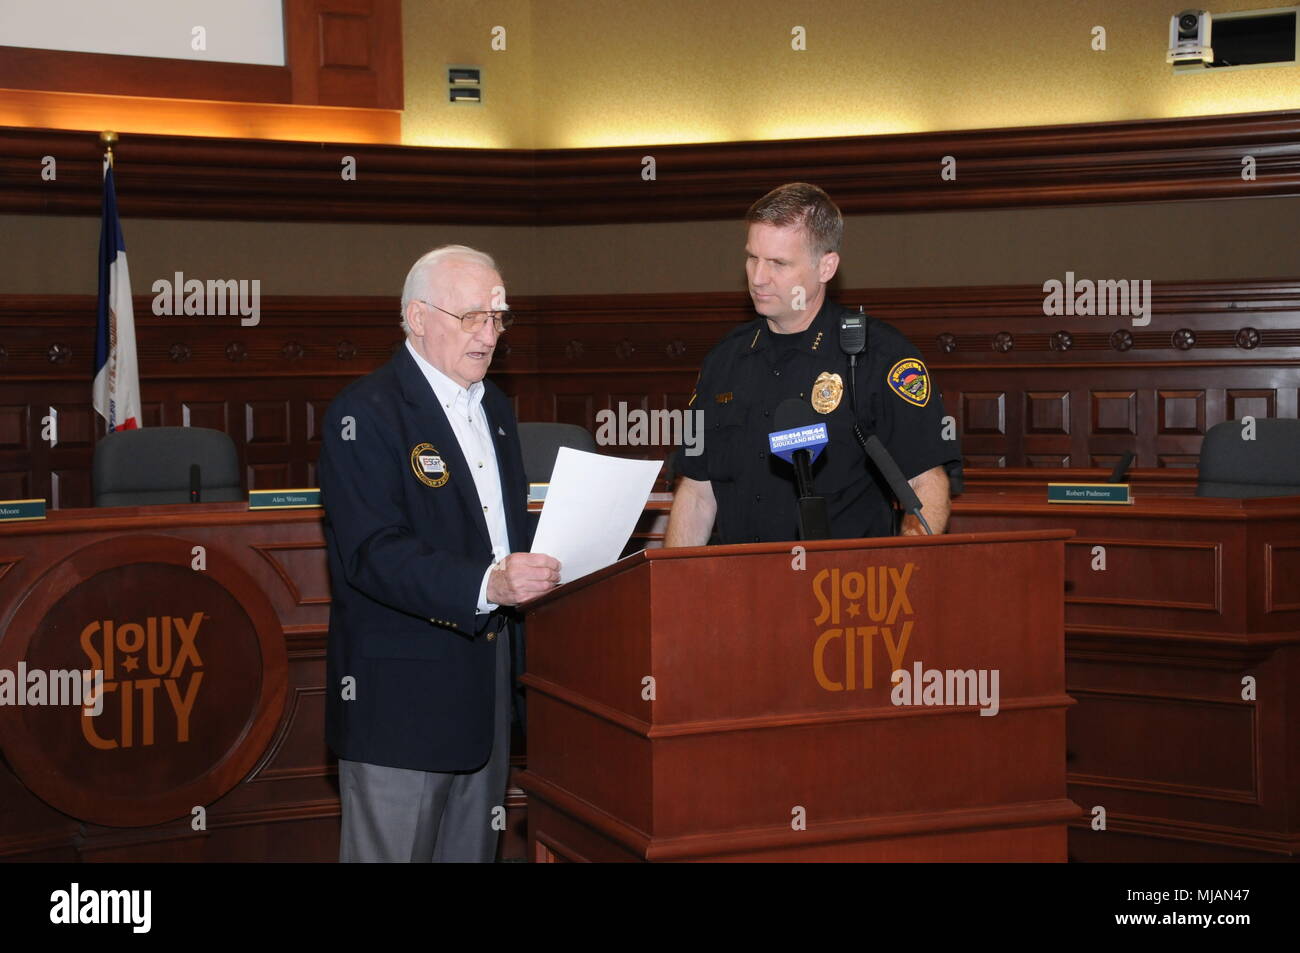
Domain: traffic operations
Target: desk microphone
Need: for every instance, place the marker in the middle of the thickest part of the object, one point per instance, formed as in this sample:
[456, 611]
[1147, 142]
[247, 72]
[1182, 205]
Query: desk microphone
[194, 483]
[1121, 469]
[798, 439]
[902, 490]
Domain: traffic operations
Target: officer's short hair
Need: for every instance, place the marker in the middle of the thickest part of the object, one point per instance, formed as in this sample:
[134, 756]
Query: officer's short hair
[798, 203]
[417, 279]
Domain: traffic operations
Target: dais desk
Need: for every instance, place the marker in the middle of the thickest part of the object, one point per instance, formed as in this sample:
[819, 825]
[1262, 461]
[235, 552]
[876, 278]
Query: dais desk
[1196, 596]
[1182, 647]
[209, 623]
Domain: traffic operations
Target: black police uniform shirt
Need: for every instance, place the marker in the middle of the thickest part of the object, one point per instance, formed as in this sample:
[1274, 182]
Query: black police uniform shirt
[747, 376]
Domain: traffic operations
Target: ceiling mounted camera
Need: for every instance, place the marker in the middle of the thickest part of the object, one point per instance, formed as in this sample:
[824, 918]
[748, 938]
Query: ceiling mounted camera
[1189, 38]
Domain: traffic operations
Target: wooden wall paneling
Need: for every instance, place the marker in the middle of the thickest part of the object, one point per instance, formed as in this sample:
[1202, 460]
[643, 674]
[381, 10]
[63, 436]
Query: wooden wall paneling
[17, 444]
[1031, 407]
[112, 74]
[1215, 354]
[345, 52]
[1109, 415]
[86, 114]
[1156, 160]
[1243, 402]
[1045, 434]
[192, 177]
[205, 178]
[337, 53]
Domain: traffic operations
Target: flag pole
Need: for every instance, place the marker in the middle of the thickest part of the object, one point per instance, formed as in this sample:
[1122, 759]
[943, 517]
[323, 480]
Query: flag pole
[116, 389]
[108, 138]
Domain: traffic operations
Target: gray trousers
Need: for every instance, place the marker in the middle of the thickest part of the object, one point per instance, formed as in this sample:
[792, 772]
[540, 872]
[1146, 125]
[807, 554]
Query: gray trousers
[400, 815]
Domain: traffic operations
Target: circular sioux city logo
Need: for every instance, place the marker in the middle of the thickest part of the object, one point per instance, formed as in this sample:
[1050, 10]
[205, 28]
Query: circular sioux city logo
[139, 688]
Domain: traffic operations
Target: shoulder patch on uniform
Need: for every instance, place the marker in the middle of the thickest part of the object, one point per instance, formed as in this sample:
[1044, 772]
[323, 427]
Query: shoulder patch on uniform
[910, 380]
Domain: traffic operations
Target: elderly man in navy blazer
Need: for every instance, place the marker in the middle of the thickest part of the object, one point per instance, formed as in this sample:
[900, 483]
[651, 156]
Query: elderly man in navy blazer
[425, 500]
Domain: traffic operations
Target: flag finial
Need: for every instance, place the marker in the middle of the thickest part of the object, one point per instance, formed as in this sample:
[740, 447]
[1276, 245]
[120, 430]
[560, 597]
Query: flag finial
[108, 138]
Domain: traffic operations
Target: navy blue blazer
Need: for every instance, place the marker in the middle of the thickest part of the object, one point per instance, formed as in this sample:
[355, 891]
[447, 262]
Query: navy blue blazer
[406, 559]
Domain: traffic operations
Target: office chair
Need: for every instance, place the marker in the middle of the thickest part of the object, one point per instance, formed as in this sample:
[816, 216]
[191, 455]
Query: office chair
[541, 443]
[1268, 465]
[151, 466]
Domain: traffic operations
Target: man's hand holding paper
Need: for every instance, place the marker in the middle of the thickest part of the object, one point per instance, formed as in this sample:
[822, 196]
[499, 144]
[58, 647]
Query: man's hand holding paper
[591, 508]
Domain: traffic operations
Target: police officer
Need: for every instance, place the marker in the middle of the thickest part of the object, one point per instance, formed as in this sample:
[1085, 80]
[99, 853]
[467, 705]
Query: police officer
[792, 350]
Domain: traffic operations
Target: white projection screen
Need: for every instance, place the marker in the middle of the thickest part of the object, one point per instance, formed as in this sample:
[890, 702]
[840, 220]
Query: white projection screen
[233, 31]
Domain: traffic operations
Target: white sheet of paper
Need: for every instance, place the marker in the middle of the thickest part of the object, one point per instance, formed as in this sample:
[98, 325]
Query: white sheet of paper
[591, 508]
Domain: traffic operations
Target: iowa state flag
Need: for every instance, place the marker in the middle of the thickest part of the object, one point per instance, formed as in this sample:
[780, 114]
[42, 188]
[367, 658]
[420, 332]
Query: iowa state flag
[117, 379]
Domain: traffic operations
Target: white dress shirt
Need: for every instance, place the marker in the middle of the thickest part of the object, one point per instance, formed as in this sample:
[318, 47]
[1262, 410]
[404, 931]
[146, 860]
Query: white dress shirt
[464, 410]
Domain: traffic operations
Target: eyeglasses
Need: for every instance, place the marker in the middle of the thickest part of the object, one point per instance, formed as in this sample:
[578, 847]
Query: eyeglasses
[472, 321]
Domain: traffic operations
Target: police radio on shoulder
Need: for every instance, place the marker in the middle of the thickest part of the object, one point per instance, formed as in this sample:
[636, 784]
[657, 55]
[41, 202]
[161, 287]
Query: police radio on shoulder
[853, 341]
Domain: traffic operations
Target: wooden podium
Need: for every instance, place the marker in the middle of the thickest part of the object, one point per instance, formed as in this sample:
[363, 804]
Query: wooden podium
[735, 703]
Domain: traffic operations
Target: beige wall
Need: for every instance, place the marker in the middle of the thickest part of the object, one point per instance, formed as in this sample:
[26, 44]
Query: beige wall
[57, 255]
[1244, 238]
[580, 73]
[599, 72]
[1177, 241]
[436, 35]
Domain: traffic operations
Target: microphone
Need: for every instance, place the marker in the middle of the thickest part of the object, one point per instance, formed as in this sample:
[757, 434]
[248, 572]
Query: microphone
[853, 334]
[798, 439]
[902, 490]
[853, 341]
[956, 476]
[194, 483]
[1121, 469]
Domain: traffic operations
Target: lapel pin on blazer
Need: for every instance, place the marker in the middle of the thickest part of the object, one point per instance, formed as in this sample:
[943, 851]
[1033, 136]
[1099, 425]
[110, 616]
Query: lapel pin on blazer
[428, 465]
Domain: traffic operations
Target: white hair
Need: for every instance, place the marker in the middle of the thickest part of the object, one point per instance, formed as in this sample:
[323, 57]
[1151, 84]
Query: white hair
[418, 284]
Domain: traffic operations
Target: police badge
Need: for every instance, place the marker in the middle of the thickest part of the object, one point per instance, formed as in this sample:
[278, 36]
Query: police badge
[826, 392]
